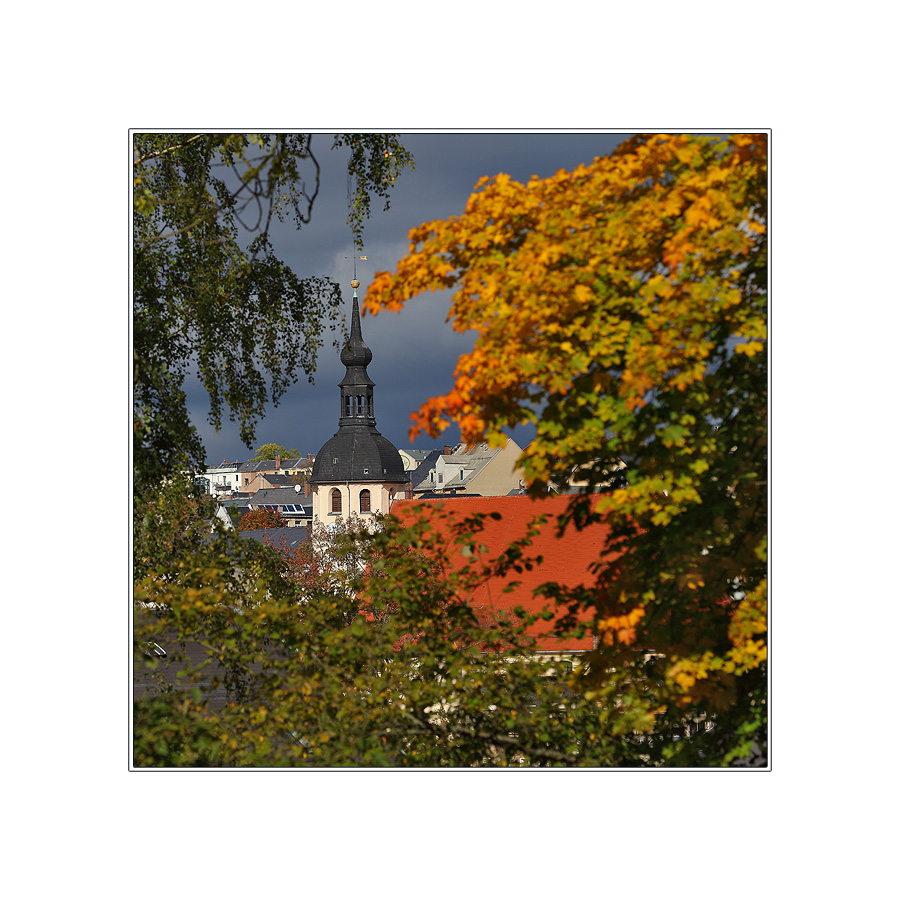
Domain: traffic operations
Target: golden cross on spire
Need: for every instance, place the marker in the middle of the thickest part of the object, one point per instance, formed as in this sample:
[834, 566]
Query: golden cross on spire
[355, 283]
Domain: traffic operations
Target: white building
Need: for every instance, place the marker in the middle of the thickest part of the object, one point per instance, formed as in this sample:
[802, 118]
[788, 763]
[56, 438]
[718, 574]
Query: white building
[223, 479]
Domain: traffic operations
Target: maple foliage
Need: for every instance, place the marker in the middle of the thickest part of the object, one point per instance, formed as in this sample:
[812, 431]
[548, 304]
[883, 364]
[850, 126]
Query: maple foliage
[621, 308]
[262, 518]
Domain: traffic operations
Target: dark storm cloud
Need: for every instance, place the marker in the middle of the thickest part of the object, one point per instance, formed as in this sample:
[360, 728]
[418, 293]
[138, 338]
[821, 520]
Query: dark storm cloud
[415, 351]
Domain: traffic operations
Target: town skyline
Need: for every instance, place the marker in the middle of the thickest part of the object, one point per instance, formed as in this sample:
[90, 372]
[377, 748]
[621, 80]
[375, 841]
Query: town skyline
[414, 351]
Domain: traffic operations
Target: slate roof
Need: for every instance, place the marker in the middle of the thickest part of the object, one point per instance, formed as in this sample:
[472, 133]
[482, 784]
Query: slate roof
[454, 483]
[268, 465]
[289, 538]
[358, 453]
[419, 455]
[566, 559]
[228, 466]
[279, 480]
[420, 472]
[282, 497]
[471, 459]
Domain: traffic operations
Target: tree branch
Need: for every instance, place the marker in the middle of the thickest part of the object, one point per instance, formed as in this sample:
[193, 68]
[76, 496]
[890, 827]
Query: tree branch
[171, 149]
[427, 727]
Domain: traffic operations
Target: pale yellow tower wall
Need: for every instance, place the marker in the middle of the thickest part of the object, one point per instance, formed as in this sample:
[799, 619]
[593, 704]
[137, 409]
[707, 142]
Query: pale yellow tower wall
[381, 497]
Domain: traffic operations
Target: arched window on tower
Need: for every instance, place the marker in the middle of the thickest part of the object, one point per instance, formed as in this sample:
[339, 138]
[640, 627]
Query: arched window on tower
[348, 413]
[335, 501]
[365, 501]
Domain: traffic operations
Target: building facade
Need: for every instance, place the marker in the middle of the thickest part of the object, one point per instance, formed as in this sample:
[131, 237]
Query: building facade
[223, 479]
[473, 469]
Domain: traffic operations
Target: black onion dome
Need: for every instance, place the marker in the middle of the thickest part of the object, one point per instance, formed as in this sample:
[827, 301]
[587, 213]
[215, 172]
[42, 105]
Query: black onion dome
[358, 453]
[356, 352]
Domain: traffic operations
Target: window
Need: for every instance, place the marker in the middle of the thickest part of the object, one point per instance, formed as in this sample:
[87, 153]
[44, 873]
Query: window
[365, 501]
[335, 501]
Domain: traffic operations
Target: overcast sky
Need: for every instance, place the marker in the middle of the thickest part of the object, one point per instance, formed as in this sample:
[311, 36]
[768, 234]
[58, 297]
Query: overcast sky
[415, 351]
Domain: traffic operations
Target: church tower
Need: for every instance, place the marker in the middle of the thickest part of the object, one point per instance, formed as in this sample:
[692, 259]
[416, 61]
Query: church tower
[358, 471]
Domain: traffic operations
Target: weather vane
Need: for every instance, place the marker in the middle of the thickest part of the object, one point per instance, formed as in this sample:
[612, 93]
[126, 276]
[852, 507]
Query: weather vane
[355, 283]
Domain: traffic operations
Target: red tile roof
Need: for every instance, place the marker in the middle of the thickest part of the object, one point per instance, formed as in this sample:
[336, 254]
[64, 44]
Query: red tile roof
[566, 559]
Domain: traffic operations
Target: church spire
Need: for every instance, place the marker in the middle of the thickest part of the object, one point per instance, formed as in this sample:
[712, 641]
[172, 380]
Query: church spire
[358, 471]
[357, 392]
[356, 352]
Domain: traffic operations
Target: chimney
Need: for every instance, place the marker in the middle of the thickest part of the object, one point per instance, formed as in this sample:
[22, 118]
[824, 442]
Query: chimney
[278, 461]
[447, 450]
[310, 458]
[305, 488]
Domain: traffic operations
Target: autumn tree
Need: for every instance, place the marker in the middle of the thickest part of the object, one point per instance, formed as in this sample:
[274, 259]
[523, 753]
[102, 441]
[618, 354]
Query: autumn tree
[621, 309]
[318, 677]
[211, 293]
[262, 518]
[171, 523]
[271, 451]
[342, 558]
[332, 560]
[574, 284]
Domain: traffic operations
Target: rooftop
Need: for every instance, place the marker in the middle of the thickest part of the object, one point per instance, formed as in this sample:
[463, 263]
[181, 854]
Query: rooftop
[566, 559]
[282, 497]
[280, 538]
